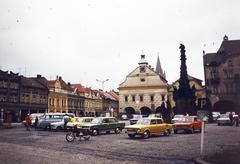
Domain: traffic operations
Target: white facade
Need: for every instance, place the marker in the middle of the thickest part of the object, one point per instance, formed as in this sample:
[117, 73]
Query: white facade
[143, 90]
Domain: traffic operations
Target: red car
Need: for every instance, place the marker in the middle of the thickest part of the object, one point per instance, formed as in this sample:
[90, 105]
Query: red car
[188, 124]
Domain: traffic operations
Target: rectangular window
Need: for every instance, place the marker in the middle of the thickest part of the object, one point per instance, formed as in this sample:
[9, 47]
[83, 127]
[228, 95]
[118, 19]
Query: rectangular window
[163, 98]
[126, 98]
[141, 98]
[133, 98]
[152, 98]
[142, 79]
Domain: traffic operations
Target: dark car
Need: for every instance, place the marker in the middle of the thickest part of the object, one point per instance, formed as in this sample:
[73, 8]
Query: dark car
[104, 124]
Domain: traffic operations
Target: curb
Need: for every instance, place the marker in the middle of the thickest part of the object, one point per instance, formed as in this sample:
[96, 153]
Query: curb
[201, 161]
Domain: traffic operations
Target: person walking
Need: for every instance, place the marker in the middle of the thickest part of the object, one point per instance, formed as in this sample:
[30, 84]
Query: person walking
[28, 122]
[36, 122]
[231, 118]
[237, 121]
[66, 119]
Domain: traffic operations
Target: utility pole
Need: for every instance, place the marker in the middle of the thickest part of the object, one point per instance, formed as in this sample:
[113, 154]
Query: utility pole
[102, 81]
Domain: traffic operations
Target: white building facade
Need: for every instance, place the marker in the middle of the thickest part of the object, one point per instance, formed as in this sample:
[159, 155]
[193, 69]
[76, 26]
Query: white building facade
[144, 90]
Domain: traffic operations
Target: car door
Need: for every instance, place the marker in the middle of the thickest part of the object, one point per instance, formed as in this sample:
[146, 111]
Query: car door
[104, 124]
[112, 123]
[160, 126]
[153, 126]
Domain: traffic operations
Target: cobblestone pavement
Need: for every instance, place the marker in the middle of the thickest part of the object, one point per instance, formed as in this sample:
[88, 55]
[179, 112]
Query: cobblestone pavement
[21, 146]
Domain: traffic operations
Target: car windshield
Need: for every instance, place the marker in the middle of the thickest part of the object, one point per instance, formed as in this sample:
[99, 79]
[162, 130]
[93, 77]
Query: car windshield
[137, 116]
[224, 116]
[80, 119]
[96, 121]
[144, 121]
[185, 119]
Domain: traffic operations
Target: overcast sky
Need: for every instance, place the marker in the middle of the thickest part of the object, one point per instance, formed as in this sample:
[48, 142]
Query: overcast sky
[85, 40]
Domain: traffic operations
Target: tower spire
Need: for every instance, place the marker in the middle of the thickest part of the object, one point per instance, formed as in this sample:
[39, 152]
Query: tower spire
[158, 67]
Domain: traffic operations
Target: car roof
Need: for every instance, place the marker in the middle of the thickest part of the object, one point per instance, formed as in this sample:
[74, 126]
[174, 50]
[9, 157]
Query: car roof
[59, 113]
[151, 118]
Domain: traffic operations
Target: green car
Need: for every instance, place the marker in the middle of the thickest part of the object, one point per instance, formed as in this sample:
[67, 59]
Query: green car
[104, 124]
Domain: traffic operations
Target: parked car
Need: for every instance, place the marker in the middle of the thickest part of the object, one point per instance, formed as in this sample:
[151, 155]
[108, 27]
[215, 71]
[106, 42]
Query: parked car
[224, 120]
[104, 124]
[135, 118]
[124, 117]
[80, 121]
[176, 118]
[48, 118]
[187, 124]
[154, 116]
[59, 126]
[148, 126]
[215, 115]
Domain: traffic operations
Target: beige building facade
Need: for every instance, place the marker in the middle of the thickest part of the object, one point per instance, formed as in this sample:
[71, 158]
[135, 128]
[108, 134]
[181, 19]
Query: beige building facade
[143, 91]
[197, 83]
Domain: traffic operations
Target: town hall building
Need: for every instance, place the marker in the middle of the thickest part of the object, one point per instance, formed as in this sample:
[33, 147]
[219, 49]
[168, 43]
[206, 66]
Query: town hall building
[144, 91]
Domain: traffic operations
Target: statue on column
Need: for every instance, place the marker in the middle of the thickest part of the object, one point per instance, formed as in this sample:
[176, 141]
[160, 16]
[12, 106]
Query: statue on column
[184, 96]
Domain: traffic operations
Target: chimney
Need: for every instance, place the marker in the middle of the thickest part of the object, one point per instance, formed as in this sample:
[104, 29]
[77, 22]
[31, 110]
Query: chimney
[69, 84]
[60, 78]
[39, 76]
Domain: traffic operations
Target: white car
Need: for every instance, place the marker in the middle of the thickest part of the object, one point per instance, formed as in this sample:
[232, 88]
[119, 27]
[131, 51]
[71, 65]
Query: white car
[58, 126]
[176, 118]
[223, 120]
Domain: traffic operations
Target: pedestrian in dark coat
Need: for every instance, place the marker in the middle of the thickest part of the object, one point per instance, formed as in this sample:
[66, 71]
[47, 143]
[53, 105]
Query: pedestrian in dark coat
[237, 121]
[36, 122]
[231, 118]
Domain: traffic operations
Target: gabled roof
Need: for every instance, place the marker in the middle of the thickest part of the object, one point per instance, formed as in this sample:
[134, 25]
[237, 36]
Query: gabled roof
[31, 82]
[199, 81]
[227, 49]
[79, 87]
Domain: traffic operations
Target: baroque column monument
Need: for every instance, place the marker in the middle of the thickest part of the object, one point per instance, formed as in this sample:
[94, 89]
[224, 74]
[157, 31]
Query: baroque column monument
[184, 96]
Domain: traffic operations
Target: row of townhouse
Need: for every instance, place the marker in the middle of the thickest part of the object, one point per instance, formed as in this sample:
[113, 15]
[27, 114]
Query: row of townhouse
[21, 95]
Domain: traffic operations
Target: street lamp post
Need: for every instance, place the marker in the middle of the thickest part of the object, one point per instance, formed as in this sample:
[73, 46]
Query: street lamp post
[102, 81]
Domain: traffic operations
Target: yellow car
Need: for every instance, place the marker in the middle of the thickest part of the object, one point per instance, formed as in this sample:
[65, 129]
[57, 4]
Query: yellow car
[147, 126]
[79, 121]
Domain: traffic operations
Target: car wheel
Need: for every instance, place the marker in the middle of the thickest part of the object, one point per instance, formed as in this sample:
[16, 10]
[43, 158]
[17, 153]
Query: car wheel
[175, 131]
[169, 131]
[59, 128]
[165, 133]
[131, 135]
[117, 130]
[86, 137]
[146, 134]
[46, 127]
[95, 132]
[192, 130]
